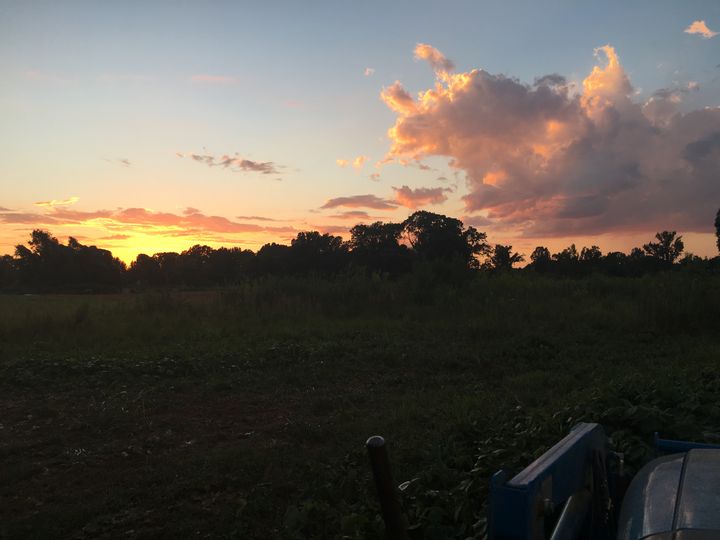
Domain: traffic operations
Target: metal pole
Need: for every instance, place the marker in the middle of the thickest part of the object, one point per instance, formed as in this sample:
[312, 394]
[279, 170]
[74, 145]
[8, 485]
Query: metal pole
[389, 504]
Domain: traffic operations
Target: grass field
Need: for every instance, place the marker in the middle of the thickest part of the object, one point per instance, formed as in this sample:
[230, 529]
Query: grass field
[242, 412]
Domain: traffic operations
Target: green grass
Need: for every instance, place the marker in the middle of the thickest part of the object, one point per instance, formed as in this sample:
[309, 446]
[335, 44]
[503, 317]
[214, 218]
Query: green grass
[242, 413]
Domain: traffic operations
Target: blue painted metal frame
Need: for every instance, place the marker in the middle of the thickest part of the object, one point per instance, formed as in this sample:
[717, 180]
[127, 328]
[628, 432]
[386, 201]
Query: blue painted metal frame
[670, 446]
[517, 506]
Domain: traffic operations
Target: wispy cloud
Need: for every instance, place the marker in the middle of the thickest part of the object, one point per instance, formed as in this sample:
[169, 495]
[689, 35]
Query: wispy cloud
[258, 218]
[205, 78]
[360, 201]
[352, 214]
[125, 162]
[58, 202]
[235, 163]
[369, 71]
[700, 28]
[126, 221]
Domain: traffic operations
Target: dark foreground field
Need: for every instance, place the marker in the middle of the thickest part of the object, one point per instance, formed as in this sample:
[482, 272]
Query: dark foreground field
[242, 413]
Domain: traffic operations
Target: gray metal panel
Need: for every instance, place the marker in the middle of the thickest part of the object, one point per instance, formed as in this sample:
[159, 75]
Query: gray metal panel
[699, 504]
[649, 504]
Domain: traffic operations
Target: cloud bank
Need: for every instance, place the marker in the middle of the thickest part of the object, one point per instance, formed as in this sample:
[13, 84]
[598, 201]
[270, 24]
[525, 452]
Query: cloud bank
[544, 160]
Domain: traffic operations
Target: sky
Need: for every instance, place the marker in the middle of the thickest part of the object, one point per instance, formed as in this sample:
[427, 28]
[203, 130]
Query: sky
[143, 127]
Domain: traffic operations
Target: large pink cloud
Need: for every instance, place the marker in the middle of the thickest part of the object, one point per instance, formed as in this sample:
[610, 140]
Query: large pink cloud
[546, 159]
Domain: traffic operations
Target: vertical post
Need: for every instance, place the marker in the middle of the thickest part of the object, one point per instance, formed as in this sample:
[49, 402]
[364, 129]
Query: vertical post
[389, 504]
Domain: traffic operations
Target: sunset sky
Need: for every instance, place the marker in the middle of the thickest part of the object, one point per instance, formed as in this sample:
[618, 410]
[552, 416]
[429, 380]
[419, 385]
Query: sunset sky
[153, 126]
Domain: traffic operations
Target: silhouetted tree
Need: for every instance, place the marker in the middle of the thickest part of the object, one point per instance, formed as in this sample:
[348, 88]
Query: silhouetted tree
[230, 265]
[49, 265]
[503, 258]
[668, 247]
[438, 237]
[273, 259]
[145, 271]
[540, 259]
[717, 228]
[568, 255]
[317, 253]
[8, 274]
[377, 247]
[591, 254]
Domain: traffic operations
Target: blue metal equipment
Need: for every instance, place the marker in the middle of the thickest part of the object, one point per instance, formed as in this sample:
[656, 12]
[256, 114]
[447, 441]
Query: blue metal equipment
[575, 490]
[675, 497]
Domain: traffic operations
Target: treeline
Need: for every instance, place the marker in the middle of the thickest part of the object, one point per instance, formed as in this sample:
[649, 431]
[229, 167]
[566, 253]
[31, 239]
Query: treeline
[425, 239]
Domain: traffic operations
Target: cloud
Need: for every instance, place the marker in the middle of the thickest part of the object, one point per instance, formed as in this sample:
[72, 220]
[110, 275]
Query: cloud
[61, 202]
[192, 222]
[700, 28]
[369, 71]
[356, 163]
[257, 218]
[416, 198]
[214, 79]
[542, 160]
[375, 176]
[235, 163]
[360, 201]
[122, 161]
[435, 58]
[352, 214]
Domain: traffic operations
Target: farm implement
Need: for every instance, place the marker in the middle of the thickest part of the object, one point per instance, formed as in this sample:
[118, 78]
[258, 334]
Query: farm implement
[578, 490]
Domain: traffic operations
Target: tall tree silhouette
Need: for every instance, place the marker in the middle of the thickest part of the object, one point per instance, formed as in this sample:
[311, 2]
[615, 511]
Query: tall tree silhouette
[436, 237]
[668, 247]
[717, 228]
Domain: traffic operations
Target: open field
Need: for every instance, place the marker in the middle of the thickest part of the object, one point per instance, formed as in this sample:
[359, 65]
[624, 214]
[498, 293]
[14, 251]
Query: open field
[242, 413]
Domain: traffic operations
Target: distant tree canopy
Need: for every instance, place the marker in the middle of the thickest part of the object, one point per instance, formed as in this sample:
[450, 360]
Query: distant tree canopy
[503, 258]
[392, 249]
[49, 265]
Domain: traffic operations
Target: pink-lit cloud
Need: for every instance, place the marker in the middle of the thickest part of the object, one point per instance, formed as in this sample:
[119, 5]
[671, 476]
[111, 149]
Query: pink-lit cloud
[435, 58]
[235, 163]
[543, 160]
[369, 71]
[419, 197]
[700, 28]
[356, 163]
[360, 201]
[132, 220]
